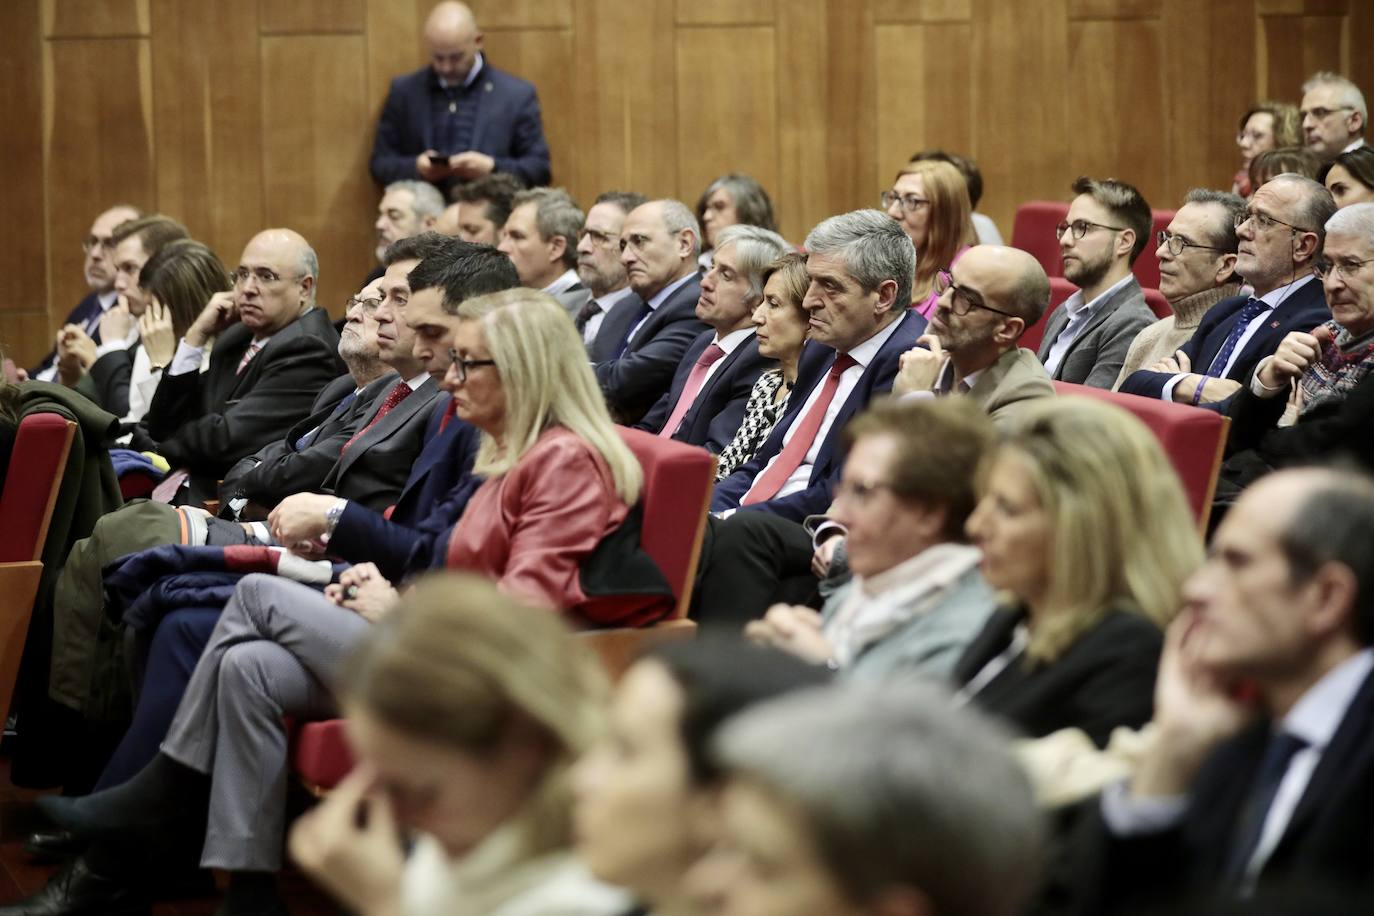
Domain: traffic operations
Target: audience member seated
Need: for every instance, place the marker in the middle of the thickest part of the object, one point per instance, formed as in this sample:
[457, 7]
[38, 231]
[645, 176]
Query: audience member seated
[983, 227]
[849, 801]
[918, 598]
[540, 238]
[860, 265]
[1312, 398]
[484, 205]
[1299, 160]
[644, 792]
[1087, 336]
[102, 371]
[1197, 269]
[1083, 522]
[781, 327]
[705, 404]
[1260, 774]
[1350, 178]
[731, 200]
[1266, 126]
[598, 260]
[406, 209]
[1280, 237]
[930, 201]
[969, 348]
[639, 345]
[99, 274]
[1333, 115]
[458, 118]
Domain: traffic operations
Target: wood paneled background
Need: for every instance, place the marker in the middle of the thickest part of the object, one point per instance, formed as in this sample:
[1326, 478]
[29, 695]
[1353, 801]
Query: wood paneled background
[233, 115]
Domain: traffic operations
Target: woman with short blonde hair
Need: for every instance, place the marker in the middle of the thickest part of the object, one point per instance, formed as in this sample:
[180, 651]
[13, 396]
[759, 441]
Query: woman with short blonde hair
[930, 200]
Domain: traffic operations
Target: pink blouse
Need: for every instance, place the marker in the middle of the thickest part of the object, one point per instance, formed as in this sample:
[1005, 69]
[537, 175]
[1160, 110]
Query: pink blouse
[926, 306]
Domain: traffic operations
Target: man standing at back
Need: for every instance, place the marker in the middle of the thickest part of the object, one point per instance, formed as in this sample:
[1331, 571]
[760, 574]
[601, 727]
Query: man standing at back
[459, 118]
[1086, 338]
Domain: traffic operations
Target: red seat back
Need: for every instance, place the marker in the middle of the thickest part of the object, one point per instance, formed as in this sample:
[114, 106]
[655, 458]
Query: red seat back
[1193, 439]
[1157, 303]
[1033, 231]
[1146, 267]
[37, 463]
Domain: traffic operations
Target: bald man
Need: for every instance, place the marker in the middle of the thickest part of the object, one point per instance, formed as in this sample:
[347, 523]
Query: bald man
[970, 347]
[459, 118]
[273, 352]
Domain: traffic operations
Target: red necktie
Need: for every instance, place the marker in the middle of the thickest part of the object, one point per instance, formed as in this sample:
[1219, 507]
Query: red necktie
[767, 484]
[248, 355]
[393, 397]
[695, 379]
[450, 412]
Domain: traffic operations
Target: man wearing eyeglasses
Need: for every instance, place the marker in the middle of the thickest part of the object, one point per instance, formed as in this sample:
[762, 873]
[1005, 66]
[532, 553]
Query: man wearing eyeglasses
[1275, 251]
[1333, 115]
[99, 273]
[598, 259]
[1086, 337]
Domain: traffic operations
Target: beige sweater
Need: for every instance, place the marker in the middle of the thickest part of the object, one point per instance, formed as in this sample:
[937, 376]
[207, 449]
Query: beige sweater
[1164, 337]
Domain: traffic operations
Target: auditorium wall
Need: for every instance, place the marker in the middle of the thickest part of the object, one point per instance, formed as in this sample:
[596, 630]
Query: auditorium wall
[232, 115]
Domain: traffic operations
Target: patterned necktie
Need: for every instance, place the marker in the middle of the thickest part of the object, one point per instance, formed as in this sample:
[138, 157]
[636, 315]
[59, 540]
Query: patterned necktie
[695, 379]
[248, 355]
[767, 484]
[1252, 310]
[399, 392]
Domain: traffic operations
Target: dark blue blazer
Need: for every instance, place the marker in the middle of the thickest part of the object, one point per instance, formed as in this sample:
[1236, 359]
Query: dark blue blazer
[815, 363]
[715, 415]
[1303, 310]
[85, 310]
[509, 127]
[440, 483]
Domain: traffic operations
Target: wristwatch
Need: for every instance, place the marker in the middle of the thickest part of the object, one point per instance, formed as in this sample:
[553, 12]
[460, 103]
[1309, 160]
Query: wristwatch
[332, 516]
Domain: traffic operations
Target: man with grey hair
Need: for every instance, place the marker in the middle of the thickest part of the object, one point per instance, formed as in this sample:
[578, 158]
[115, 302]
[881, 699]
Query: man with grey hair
[644, 337]
[705, 404]
[1279, 239]
[870, 800]
[1333, 115]
[598, 259]
[1197, 269]
[406, 209]
[970, 347]
[540, 238]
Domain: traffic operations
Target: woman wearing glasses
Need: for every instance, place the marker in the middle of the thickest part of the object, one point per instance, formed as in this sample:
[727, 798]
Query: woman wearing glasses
[1266, 126]
[930, 200]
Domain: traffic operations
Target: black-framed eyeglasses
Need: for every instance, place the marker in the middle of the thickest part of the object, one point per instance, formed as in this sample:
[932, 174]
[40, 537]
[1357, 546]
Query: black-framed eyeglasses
[264, 276]
[1177, 243]
[92, 242]
[1321, 114]
[1346, 270]
[1080, 228]
[368, 303]
[466, 365]
[599, 239]
[910, 202]
[1264, 222]
[962, 300]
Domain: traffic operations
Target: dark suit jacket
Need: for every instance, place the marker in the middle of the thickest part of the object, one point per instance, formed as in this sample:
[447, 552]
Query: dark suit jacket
[1301, 311]
[107, 381]
[509, 127]
[1105, 679]
[1329, 842]
[640, 376]
[815, 362]
[433, 498]
[1097, 353]
[206, 421]
[85, 310]
[715, 415]
[375, 468]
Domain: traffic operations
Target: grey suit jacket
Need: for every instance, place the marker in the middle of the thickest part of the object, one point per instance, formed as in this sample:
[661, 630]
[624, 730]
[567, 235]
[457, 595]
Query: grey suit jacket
[374, 468]
[1097, 354]
[573, 298]
[1008, 385]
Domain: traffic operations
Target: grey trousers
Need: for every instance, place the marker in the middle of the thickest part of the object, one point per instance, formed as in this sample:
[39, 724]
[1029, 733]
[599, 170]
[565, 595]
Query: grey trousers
[273, 653]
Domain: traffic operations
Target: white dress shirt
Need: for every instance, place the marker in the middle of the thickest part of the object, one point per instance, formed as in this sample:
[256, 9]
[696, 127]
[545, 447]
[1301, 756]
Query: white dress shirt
[603, 304]
[729, 343]
[565, 282]
[1080, 313]
[660, 298]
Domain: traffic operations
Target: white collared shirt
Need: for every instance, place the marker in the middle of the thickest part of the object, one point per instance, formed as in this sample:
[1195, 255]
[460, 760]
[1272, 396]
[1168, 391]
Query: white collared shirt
[729, 343]
[1354, 144]
[604, 304]
[659, 298]
[1080, 313]
[1272, 299]
[189, 358]
[106, 301]
[944, 383]
[567, 281]
[475, 72]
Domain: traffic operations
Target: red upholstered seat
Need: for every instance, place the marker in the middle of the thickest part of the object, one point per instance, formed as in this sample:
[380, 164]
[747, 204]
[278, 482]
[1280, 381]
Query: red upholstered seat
[1146, 267]
[1033, 231]
[678, 480]
[1193, 439]
[1157, 303]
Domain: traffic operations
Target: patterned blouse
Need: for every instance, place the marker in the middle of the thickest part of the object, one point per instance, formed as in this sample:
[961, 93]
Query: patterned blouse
[761, 414]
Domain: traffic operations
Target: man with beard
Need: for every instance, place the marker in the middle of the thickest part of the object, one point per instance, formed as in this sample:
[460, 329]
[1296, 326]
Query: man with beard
[598, 258]
[1087, 337]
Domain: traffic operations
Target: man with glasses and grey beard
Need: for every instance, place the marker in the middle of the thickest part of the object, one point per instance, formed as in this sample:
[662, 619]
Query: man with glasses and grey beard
[1279, 237]
[1086, 338]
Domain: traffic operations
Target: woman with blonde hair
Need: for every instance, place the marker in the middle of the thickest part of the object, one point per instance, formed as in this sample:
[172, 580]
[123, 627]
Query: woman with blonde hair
[1266, 126]
[466, 711]
[1084, 525]
[930, 200]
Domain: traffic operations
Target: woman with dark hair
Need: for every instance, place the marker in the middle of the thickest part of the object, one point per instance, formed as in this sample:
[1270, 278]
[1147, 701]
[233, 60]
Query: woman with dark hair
[733, 199]
[1350, 179]
[641, 795]
[1266, 126]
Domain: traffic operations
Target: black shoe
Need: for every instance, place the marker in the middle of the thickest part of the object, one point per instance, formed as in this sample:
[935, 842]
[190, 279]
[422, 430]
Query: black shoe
[77, 891]
[54, 845]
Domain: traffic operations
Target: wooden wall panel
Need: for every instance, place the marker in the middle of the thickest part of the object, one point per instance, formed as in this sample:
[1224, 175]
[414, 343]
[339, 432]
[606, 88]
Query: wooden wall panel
[99, 19]
[311, 16]
[726, 12]
[24, 308]
[544, 57]
[802, 196]
[526, 14]
[850, 105]
[1294, 47]
[315, 168]
[924, 92]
